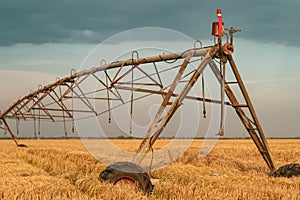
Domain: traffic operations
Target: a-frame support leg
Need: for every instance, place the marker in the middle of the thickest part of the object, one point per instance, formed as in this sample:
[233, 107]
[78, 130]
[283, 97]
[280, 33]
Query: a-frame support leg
[251, 123]
[159, 126]
[10, 131]
[12, 134]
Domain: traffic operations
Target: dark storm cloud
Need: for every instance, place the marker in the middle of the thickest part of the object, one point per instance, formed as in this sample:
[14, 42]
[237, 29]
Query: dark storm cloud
[78, 21]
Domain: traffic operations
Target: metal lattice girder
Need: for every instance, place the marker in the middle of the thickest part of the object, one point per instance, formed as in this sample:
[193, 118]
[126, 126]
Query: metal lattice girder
[50, 99]
[54, 102]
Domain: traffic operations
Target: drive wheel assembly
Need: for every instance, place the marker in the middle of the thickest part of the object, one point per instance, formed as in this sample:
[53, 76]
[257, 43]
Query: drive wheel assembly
[288, 171]
[127, 173]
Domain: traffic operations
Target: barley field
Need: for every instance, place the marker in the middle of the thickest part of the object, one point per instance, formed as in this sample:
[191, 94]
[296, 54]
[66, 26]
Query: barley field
[63, 169]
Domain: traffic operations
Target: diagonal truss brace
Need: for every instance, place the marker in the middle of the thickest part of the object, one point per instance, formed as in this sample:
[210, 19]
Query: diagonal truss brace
[157, 125]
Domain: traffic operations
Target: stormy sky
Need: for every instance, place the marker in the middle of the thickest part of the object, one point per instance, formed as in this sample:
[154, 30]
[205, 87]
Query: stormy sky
[78, 21]
[40, 40]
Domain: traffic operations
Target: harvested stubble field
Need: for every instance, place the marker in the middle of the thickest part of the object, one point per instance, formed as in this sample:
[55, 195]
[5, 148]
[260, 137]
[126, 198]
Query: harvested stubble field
[63, 169]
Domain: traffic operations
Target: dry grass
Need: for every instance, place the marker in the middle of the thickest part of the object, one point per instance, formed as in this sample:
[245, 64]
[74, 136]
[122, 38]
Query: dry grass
[63, 169]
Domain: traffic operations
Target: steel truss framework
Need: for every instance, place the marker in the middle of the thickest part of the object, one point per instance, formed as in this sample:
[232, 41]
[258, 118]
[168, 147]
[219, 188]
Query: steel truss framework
[144, 76]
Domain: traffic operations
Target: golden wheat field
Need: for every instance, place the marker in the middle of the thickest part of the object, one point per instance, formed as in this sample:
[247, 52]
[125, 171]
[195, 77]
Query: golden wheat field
[63, 169]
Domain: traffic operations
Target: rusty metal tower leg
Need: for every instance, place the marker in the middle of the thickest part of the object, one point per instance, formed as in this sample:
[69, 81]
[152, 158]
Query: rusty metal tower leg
[10, 131]
[163, 105]
[251, 122]
[158, 126]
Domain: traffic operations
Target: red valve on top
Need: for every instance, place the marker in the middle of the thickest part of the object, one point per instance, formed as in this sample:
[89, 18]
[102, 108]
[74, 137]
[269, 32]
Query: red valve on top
[220, 23]
[218, 27]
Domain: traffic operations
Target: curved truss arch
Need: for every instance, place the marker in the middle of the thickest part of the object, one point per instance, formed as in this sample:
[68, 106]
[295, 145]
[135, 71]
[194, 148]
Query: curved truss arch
[55, 102]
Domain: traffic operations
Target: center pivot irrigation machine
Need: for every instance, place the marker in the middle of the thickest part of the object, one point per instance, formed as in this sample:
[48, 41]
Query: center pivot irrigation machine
[141, 78]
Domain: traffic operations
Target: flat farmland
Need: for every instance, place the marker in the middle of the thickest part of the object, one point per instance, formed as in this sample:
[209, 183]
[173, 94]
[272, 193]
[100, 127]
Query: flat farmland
[64, 169]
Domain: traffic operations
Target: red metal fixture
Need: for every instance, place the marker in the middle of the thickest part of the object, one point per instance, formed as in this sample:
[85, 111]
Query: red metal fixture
[220, 22]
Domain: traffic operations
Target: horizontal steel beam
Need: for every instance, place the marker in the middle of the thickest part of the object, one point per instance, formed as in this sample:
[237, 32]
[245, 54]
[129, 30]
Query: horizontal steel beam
[174, 95]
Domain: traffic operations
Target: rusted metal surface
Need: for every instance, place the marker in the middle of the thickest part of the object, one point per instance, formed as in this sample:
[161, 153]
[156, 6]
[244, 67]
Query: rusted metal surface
[251, 123]
[253, 126]
[157, 126]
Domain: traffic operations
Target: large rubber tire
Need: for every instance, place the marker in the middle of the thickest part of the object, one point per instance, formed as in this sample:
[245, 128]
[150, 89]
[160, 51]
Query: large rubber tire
[288, 171]
[129, 172]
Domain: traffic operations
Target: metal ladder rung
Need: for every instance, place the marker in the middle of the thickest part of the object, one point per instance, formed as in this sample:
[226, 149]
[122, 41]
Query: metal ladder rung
[240, 105]
[252, 129]
[232, 82]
